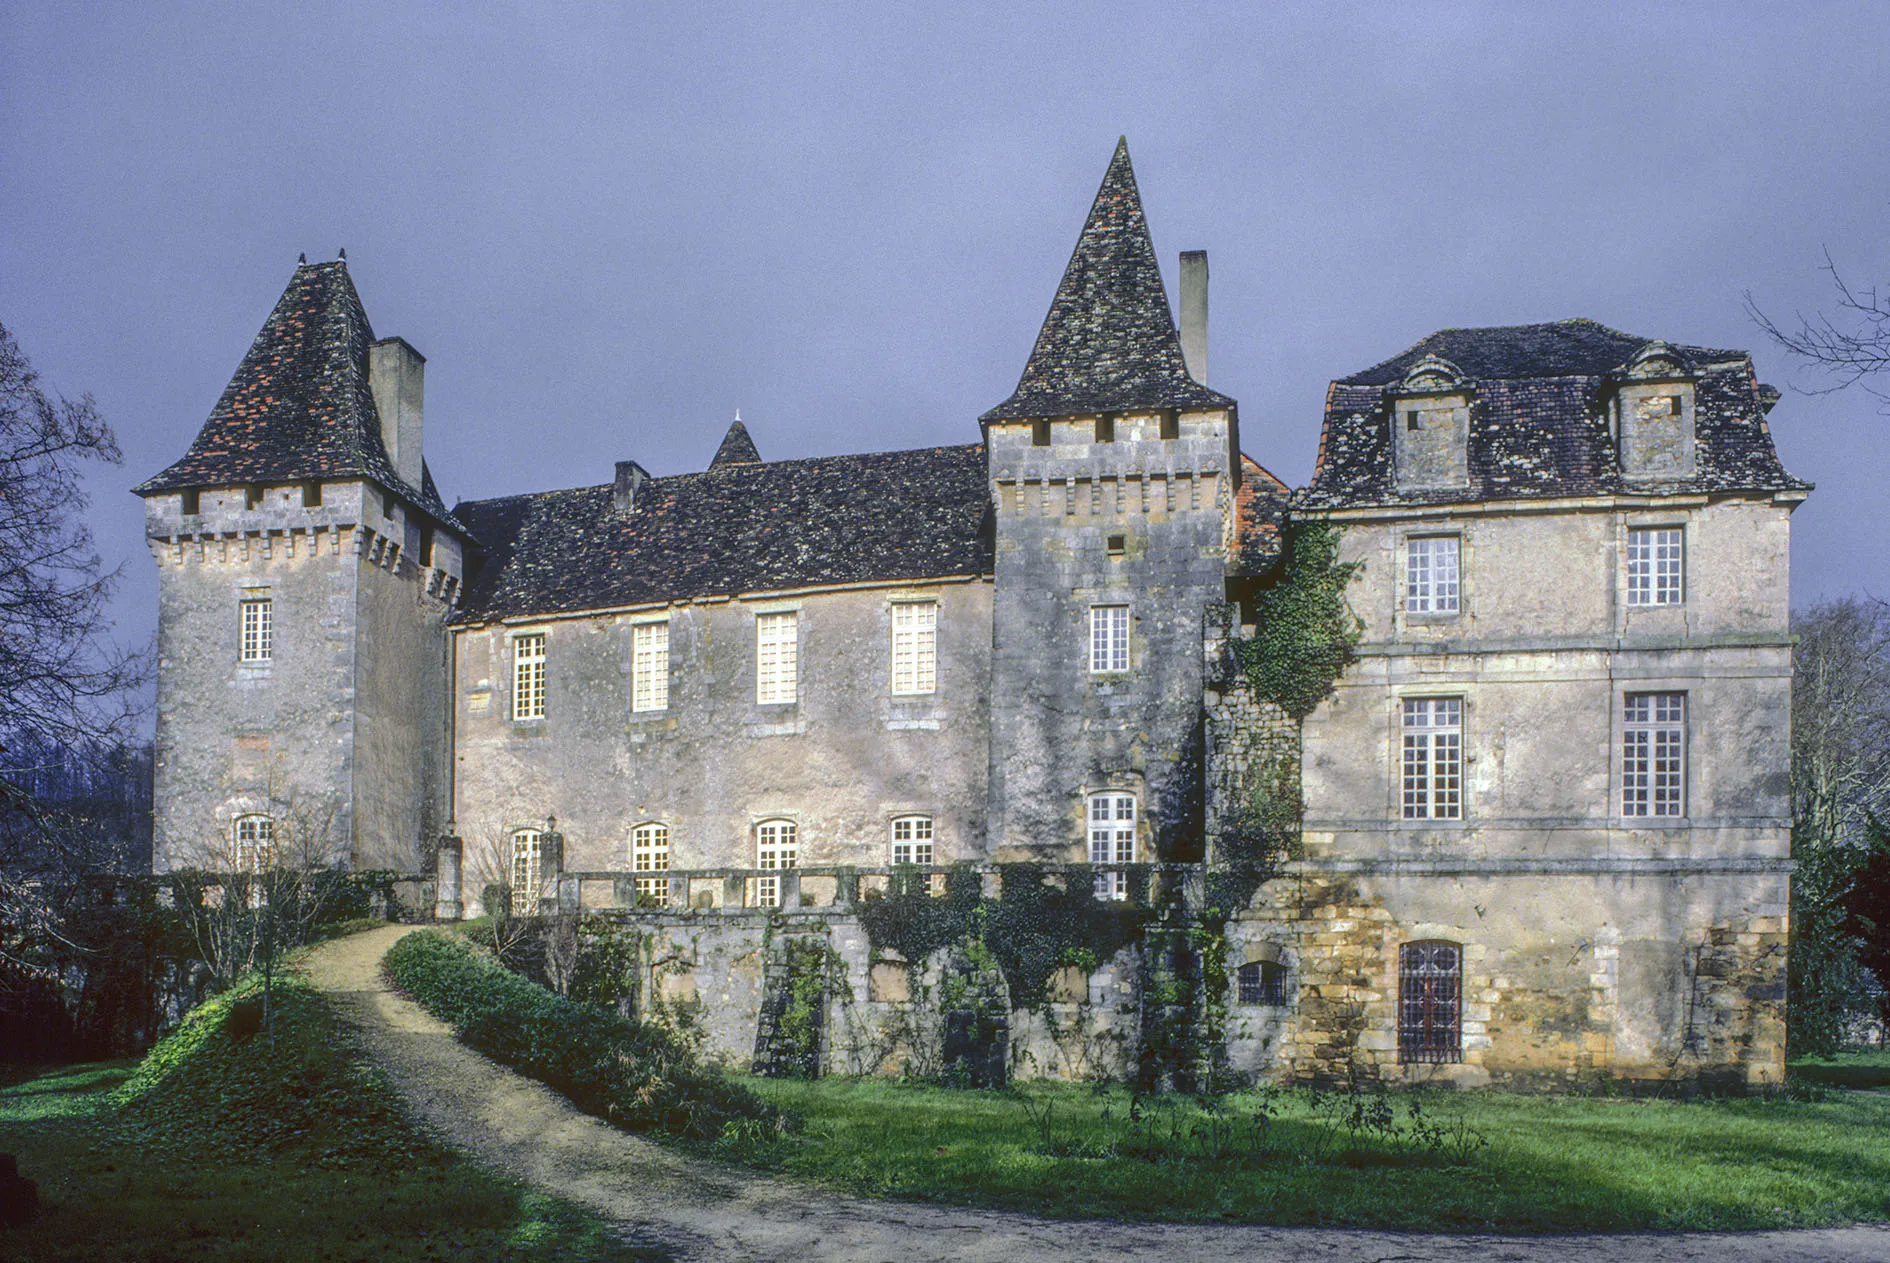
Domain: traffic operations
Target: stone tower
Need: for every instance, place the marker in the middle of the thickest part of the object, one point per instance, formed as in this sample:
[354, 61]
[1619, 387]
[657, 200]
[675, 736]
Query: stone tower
[306, 570]
[1113, 475]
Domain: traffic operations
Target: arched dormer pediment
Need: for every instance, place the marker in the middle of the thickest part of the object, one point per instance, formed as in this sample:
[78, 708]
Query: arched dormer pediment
[1429, 411]
[1432, 375]
[1652, 414]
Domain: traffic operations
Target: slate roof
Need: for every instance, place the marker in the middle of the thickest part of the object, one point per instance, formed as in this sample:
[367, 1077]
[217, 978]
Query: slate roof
[1260, 508]
[737, 448]
[299, 405]
[733, 529]
[1538, 420]
[1109, 343]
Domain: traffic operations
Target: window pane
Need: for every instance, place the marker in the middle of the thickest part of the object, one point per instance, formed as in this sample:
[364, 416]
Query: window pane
[1656, 570]
[1108, 638]
[1112, 841]
[1431, 581]
[915, 647]
[1653, 754]
[257, 642]
[526, 849]
[1433, 758]
[528, 677]
[776, 658]
[649, 673]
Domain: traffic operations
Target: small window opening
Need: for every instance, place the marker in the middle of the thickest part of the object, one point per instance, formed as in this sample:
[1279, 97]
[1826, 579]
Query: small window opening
[193, 501]
[1676, 405]
[1118, 544]
[1411, 421]
[311, 495]
[1171, 424]
[426, 544]
[1262, 982]
[1040, 434]
[1105, 428]
[252, 496]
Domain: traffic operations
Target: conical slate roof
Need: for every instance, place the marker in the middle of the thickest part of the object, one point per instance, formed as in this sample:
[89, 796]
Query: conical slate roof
[1109, 343]
[737, 448]
[299, 405]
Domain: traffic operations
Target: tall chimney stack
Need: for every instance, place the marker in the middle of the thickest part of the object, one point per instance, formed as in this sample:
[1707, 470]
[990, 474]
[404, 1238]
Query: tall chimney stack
[1194, 313]
[397, 376]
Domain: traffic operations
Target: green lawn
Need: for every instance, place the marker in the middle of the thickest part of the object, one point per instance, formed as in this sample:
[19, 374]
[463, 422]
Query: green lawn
[1551, 1163]
[222, 1148]
[1859, 1068]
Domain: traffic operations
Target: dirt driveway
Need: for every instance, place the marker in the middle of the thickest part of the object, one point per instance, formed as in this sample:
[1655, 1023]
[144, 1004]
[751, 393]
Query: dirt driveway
[705, 1211]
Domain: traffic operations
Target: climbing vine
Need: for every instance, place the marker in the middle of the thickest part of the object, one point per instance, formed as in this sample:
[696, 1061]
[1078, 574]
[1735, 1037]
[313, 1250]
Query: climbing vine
[1306, 635]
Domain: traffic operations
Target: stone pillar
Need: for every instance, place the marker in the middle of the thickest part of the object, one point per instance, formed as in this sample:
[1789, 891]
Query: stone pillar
[448, 865]
[550, 868]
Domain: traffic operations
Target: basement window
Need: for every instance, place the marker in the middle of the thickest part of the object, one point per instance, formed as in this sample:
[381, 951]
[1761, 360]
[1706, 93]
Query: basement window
[1262, 982]
[1430, 1003]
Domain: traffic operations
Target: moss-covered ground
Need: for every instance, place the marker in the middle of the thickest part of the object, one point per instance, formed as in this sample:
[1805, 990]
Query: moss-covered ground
[1548, 1164]
[269, 1145]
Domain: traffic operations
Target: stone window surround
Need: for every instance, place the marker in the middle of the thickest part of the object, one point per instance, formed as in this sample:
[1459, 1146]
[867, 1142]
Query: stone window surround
[765, 610]
[1405, 539]
[1686, 521]
[640, 628]
[1630, 528]
[1689, 756]
[923, 672]
[255, 596]
[513, 636]
[1111, 658]
[1420, 691]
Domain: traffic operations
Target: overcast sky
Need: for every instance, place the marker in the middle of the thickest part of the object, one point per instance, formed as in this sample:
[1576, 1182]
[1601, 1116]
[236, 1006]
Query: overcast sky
[609, 232]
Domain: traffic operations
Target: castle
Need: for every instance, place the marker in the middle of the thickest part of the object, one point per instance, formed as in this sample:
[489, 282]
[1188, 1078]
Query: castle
[1543, 816]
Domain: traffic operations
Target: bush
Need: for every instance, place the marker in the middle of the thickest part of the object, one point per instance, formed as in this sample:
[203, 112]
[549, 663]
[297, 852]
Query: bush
[633, 1074]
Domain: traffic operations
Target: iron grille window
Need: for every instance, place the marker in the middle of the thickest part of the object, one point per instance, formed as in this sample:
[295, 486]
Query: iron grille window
[1431, 575]
[1430, 1002]
[1262, 982]
[1433, 758]
[1654, 754]
[1656, 567]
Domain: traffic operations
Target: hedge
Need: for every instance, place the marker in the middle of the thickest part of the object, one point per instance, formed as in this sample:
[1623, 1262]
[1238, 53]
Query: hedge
[631, 1073]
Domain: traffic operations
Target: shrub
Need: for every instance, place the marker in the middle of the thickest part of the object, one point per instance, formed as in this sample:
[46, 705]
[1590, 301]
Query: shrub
[634, 1074]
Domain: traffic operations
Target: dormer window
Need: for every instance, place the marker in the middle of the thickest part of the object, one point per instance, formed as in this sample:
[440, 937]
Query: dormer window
[1653, 415]
[1431, 427]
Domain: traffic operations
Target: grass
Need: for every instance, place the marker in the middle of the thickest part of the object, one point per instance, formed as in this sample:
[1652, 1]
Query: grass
[1550, 1164]
[223, 1148]
[1865, 1068]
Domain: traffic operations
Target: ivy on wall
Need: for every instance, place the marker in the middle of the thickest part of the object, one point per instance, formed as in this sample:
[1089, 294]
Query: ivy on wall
[1305, 633]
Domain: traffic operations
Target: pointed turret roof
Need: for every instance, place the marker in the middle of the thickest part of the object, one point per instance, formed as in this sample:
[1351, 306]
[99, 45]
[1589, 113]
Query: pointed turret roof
[299, 405]
[737, 448]
[1109, 343]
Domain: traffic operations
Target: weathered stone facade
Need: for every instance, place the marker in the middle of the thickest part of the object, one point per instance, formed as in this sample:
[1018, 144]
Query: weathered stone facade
[1539, 825]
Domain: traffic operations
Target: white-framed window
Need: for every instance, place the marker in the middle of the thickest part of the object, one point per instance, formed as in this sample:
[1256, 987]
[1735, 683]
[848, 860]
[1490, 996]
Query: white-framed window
[1431, 583]
[527, 849]
[1433, 758]
[255, 843]
[1656, 565]
[649, 853]
[912, 840]
[1112, 841]
[1654, 754]
[777, 845]
[777, 657]
[258, 639]
[914, 647]
[649, 666]
[528, 676]
[1108, 639]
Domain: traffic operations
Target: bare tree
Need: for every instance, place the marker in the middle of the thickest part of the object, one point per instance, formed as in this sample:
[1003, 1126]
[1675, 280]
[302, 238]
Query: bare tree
[1851, 348]
[1840, 786]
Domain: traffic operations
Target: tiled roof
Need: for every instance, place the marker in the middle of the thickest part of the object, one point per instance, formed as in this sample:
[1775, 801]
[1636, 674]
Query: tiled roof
[299, 406]
[1109, 342]
[736, 528]
[1260, 507]
[1538, 420]
[737, 448]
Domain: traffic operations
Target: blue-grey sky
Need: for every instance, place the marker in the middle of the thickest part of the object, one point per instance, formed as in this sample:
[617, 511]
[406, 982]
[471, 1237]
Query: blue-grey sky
[609, 227]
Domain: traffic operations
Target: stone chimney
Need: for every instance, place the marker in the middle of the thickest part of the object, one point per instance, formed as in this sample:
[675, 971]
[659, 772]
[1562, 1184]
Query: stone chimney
[1194, 278]
[630, 479]
[397, 376]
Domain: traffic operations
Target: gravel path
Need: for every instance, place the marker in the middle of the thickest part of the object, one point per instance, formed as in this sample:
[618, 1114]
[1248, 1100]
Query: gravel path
[705, 1211]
